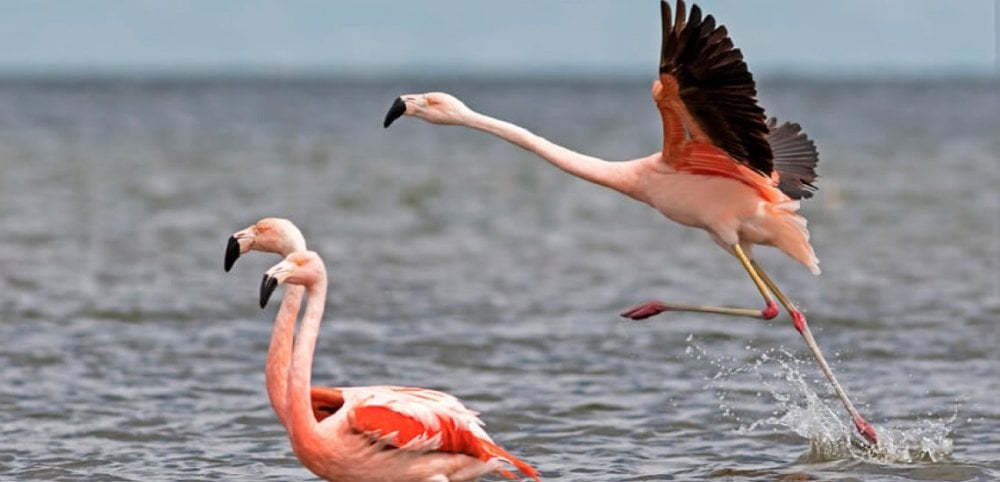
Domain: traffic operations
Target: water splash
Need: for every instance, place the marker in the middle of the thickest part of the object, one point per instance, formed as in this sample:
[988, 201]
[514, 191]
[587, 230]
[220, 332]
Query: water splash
[799, 407]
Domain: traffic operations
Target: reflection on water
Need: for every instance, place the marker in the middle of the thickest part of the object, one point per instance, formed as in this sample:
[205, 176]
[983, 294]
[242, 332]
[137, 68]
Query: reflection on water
[462, 263]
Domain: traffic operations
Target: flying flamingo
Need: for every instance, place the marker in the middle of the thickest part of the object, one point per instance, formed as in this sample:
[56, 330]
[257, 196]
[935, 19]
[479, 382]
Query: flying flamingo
[723, 168]
[377, 433]
[282, 237]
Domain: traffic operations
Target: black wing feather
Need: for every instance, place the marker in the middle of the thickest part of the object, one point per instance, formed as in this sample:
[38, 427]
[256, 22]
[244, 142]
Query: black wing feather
[795, 158]
[715, 85]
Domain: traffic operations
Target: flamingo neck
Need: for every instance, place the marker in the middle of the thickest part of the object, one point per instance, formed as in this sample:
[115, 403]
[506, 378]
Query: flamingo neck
[279, 353]
[620, 176]
[302, 422]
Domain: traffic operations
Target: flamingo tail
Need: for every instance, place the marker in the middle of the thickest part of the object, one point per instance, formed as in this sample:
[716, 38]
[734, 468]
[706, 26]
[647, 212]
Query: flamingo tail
[791, 235]
[491, 451]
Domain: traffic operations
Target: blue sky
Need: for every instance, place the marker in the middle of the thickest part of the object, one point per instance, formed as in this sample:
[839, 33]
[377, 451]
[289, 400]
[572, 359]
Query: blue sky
[605, 37]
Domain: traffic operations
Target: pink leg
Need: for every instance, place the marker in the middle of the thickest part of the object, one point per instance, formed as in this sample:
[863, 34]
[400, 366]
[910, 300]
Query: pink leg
[654, 308]
[766, 286]
[770, 310]
[802, 326]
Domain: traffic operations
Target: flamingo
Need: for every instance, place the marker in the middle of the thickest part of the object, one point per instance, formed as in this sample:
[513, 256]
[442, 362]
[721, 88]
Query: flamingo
[377, 433]
[724, 168]
[282, 237]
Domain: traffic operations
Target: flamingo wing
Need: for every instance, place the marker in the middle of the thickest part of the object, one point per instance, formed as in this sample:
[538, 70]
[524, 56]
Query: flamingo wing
[795, 158]
[426, 421]
[326, 401]
[706, 94]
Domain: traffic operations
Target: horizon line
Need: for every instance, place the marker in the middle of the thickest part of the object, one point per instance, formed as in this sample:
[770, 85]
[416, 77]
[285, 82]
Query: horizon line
[51, 73]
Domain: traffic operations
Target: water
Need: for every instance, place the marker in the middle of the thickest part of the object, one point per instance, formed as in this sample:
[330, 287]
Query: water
[461, 263]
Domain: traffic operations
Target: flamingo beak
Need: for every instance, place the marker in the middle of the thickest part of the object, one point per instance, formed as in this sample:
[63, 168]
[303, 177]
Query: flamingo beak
[267, 287]
[395, 112]
[232, 253]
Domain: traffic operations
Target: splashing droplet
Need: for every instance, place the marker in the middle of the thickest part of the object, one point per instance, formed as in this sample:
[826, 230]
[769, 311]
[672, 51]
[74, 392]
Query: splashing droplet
[804, 410]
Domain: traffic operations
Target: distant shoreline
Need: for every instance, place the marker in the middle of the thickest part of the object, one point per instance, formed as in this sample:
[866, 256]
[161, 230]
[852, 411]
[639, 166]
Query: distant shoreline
[55, 77]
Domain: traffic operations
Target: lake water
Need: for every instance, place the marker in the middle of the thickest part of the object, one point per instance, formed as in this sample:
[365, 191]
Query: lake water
[462, 263]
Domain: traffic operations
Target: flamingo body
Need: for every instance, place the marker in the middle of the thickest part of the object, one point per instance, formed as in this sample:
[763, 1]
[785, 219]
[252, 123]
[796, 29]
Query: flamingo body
[724, 167]
[376, 433]
[379, 433]
[731, 211]
[400, 434]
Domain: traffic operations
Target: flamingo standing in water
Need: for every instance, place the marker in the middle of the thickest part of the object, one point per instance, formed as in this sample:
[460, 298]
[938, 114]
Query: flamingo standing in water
[724, 167]
[282, 237]
[377, 433]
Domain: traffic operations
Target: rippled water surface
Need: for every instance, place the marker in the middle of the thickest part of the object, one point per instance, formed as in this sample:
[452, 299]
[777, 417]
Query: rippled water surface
[462, 263]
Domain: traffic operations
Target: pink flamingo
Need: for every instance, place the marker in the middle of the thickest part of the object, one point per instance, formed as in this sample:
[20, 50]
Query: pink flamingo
[378, 433]
[282, 237]
[723, 168]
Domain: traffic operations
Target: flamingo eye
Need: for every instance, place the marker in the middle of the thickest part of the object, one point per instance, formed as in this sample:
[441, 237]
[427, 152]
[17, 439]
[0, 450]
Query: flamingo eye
[432, 101]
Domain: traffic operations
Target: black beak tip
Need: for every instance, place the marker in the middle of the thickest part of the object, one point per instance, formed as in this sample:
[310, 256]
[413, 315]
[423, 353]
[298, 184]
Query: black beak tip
[232, 253]
[395, 112]
[267, 286]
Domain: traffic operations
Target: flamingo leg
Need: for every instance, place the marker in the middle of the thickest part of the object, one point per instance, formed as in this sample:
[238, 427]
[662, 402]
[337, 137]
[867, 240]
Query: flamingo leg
[799, 322]
[654, 308]
[770, 310]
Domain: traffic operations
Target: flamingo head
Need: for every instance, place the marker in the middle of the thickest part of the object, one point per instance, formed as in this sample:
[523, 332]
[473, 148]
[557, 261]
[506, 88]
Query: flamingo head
[433, 107]
[269, 235]
[303, 268]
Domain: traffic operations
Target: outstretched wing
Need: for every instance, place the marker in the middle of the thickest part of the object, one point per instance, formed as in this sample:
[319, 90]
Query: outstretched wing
[706, 92]
[427, 420]
[795, 159]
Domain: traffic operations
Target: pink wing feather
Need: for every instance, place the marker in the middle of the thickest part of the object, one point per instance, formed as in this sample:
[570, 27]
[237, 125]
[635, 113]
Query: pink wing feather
[428, 420]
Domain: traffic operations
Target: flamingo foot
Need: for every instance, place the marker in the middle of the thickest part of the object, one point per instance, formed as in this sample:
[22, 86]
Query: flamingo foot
[866, 430]
[645, 310]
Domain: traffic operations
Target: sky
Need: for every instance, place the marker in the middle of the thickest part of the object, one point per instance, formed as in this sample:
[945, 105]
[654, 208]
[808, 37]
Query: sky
[510, 37]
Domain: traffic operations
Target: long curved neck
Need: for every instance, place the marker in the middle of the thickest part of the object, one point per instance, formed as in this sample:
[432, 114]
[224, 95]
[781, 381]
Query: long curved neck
[620, 176]
[279, 353]
[302, 422]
